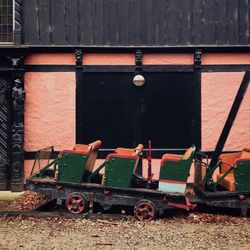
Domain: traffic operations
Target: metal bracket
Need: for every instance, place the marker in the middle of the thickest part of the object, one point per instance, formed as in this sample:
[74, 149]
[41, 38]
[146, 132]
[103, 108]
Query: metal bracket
[138, 62]
[197, 58]
[78, 54]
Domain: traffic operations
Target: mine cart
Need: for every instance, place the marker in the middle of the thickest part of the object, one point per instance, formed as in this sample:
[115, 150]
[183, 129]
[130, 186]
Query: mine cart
[72, 180]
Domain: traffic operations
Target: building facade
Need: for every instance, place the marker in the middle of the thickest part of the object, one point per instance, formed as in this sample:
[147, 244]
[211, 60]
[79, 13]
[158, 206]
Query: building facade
[67, 68]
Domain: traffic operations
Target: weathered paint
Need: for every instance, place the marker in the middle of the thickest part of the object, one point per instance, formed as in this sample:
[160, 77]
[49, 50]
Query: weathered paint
[159, 59]
[218, 93]
[28, 164]
[226, 58]
[51, 58]
[49, 110]
[172, 187]
[108, 59]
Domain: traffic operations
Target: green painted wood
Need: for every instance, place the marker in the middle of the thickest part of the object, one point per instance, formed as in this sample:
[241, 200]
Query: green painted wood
[119, 171]
[175, 171]
[242, 176]
[71, 167]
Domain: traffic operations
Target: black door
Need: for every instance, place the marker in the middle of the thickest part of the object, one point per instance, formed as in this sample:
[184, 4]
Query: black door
[121, 115]
[168, 109]
[107, 108]
[5, 131]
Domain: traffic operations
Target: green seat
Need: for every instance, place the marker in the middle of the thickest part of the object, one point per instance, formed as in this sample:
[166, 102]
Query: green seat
[76, 165]
[175, 170]
[120, 166]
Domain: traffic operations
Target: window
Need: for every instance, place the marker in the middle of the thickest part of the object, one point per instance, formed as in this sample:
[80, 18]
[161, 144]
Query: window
[6, 21]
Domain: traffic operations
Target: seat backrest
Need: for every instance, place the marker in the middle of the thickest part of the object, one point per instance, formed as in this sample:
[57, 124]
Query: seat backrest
[174, 172]
[124, 151]
[82, 147]
[76, 165]
[90, 164]
[120, 166]
[227, 161]
[245, 152]
[129, 151]
[189, 153]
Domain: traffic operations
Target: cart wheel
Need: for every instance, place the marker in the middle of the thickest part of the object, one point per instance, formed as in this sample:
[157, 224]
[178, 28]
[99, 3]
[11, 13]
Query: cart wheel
[145, 210]
[76, 203]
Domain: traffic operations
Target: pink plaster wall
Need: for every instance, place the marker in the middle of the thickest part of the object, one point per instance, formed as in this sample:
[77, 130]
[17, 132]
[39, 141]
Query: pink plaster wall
[167, 59]
[108, 59]
[226, 58]
[50, 117]
[51, 58]
[129, 59]
[49, 110]
[218, 93]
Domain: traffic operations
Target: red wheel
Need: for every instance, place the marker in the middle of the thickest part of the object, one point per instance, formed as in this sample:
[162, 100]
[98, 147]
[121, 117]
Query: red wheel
[76, 203]
[145, 210]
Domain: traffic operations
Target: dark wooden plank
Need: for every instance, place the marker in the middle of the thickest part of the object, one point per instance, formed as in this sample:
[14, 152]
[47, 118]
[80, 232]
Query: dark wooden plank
[123, 21]
[113, 34]
[44, 20]
[97, 9]
[173, 23]
[30, 21]
[222, 22]
[178, 22]
[160, 21]
[209, 25]
[109, 68]
[136, 22]
[131, 23]
[244, 21]
[105, 23]
[58, 22]
[226, 68]
[137, 13]
[146, 22]
[72, 21]
[185, 22]
[197, 16]
[85, 27]
[49, 68]
[233, 37]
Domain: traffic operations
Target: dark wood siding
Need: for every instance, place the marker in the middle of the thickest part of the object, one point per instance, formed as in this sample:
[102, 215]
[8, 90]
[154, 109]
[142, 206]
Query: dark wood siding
[158, 23]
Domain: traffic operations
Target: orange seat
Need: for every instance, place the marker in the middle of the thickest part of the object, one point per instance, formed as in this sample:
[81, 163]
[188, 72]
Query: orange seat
[91, 150]
[186, 155]
[227, 161]
[228, 182]
[129, 151]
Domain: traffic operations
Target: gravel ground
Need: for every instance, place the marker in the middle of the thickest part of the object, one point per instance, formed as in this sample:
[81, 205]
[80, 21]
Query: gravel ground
[196, 231]
[180, 231]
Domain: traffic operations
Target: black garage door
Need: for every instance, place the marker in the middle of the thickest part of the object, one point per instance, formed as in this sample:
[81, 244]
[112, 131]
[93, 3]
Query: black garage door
[112, 109]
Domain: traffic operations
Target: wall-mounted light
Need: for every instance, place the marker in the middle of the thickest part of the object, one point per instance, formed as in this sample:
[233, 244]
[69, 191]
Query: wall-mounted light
[138, 80]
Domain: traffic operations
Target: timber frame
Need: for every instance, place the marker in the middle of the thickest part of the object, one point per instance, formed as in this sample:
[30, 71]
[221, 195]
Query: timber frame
[15, 68]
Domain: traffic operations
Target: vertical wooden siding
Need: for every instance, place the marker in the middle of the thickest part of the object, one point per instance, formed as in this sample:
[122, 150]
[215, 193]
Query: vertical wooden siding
[136, 22]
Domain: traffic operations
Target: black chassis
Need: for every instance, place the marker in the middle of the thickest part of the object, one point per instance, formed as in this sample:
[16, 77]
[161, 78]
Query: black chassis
[105, 196]
[110, 196]
[223, 199]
